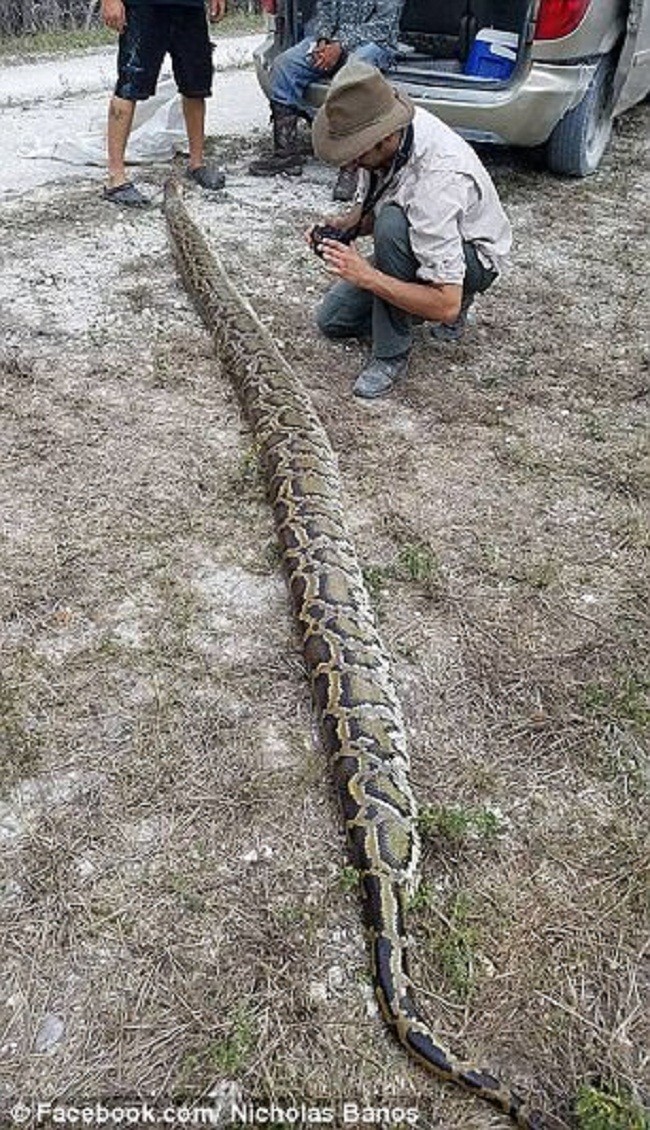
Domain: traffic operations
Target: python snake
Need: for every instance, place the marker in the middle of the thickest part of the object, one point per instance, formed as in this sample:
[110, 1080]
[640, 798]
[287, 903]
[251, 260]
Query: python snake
[357, 706]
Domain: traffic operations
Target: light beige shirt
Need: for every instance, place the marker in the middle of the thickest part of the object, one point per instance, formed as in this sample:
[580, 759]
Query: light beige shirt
[447, 196]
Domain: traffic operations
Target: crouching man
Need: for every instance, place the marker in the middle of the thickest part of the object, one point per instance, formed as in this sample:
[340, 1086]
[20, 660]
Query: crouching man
[440, 233]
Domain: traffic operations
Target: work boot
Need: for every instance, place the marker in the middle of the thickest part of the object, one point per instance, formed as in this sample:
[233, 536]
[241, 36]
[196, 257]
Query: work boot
[286, 157]
[379, 376]
[346, 185]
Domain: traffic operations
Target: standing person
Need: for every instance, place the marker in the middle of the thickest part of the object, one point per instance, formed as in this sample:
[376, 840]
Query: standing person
[363, 29]
[149, 29]
[440, 233]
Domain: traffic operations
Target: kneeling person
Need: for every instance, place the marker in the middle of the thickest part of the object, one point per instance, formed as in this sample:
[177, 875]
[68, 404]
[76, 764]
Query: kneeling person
[440, 233]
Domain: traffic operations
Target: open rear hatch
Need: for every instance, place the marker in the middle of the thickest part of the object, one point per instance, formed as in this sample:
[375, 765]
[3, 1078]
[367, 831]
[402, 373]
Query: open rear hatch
[461, 43]
[482, 43]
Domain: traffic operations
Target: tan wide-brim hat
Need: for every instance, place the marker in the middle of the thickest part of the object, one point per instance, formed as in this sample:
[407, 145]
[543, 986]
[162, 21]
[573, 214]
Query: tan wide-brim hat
[360, 110]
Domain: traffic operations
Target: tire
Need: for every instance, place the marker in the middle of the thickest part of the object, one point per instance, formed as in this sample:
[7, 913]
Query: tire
[579, 140]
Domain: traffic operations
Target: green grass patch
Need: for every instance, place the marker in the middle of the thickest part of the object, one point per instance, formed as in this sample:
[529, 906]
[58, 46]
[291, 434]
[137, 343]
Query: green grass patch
[595, 429]
[539, 574]
[457, 945]
[187, 896]
[226, 1056]
[423, 898]
[249, 474]
[56, 42]
[416, 562]
[457, 825]
[609, 1109]
[375, 578]
[627, 700]
[230, 1054]
[349, 879]
[20, 746]
[450, 935]
[65, 41]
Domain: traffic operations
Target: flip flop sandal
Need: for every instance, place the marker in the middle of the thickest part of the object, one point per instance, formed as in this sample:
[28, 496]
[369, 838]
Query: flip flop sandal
[127, 195]
[207, 176]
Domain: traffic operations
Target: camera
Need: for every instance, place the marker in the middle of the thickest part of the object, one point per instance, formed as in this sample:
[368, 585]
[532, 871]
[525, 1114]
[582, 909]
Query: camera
[326, 231]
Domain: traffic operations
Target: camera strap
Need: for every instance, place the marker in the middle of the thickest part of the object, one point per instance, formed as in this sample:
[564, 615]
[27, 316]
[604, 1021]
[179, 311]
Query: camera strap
[379, 185]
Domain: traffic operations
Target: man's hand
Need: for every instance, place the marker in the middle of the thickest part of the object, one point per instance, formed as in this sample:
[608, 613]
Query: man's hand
[344, 222]
[326, 56]
[345, 261]
[114, 15]
[217, 10]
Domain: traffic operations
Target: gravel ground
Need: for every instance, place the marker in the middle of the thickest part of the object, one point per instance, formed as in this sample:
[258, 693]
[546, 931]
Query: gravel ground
[177, 916]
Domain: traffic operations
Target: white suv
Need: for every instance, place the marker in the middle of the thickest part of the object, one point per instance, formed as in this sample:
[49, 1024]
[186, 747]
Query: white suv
[515, 72]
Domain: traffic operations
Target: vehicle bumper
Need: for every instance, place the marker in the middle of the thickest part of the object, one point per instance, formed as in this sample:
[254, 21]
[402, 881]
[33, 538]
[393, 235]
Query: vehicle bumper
[263, 57]
[524, 113]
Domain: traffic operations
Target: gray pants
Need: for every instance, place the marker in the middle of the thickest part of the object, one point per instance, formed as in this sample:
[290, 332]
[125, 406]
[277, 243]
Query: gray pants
[349, 311]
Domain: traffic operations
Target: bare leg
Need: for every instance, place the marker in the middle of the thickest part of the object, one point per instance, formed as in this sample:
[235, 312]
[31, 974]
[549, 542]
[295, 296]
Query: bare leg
[194, 114]
[120, 120]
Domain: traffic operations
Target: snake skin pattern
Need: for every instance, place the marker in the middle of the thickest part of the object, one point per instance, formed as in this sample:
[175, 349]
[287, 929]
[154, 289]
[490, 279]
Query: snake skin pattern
[358, 709]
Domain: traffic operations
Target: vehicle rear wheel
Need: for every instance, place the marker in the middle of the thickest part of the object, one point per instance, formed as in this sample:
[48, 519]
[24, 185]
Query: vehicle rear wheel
[578, 142]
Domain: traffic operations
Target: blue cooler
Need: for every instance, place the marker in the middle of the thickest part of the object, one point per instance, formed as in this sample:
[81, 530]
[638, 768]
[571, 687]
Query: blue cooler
[493, 54]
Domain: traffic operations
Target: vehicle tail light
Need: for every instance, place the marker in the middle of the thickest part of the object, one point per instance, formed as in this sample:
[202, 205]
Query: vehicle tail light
[559, 17]
[269, 6]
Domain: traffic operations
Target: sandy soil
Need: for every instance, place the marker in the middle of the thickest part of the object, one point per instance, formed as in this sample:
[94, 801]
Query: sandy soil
[177, 916]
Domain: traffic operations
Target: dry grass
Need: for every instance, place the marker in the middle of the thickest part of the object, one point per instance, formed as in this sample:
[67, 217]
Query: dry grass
[176, 909]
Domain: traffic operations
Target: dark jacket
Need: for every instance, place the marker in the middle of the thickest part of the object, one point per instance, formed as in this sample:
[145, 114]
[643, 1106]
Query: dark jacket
[355, 22]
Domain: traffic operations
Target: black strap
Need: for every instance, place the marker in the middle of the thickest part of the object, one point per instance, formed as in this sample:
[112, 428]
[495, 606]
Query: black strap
[379, 185]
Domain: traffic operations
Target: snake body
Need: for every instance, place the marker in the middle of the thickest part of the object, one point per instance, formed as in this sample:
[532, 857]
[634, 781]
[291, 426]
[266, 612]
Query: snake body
[357, 706]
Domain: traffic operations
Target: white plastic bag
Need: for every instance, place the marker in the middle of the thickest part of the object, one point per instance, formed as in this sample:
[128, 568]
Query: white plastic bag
[158, 133]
